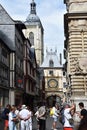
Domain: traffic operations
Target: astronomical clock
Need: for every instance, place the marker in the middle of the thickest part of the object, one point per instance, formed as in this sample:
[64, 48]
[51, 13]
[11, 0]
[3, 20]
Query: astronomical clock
[52, 83]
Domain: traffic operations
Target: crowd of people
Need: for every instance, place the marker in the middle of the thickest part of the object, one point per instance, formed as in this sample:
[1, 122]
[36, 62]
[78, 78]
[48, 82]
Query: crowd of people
[66, 115]
[17, 118]
[20, 118]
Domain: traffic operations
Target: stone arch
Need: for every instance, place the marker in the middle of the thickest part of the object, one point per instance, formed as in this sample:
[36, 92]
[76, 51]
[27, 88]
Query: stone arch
[52, 99]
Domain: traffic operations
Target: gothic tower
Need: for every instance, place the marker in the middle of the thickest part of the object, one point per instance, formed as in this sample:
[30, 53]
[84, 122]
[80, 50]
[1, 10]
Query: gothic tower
[75, 25]
[35, 32]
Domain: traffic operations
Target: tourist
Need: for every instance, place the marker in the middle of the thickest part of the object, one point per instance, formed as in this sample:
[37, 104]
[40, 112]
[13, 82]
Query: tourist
[83, 110]
[55, 116]
[42, 117]
[5, 114]
[37, 118]
[30, 118]
[24, 116]
[68, 116]
[13, 119]
[83, 117]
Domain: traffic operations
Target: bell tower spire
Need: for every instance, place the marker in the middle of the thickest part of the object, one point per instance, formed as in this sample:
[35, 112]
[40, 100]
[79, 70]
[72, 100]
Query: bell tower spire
[33, 7]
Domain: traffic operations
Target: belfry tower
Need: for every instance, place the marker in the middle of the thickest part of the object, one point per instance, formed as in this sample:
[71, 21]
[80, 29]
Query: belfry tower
[35, 32]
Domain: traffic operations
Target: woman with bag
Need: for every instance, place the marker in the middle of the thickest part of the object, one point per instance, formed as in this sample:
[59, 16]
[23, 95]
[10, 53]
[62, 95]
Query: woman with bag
[55, 116]
[68, 124]
[12, 119]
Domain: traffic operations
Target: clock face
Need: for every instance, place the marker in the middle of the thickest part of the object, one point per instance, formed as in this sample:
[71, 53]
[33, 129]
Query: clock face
[52, 83]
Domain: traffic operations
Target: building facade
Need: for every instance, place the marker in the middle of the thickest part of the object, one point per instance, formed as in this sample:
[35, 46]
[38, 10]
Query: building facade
[75, 25]
[12, 35]
[54, 78]
[4, 72]
[20, 74]
[31, 76]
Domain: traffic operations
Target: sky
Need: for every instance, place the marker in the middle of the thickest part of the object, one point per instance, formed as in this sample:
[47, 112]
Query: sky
[51, 14]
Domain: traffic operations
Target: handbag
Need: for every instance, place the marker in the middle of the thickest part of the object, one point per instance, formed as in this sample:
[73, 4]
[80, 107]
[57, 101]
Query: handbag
[71, 121]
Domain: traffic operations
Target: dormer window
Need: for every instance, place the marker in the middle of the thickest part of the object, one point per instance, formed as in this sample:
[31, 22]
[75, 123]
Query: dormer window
[51, 63]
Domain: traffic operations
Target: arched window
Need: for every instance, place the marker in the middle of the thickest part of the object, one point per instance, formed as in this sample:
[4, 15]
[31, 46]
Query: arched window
[51, 63]
[31, 38]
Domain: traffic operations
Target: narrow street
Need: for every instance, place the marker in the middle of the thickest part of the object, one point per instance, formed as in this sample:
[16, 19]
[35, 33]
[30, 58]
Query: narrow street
[48, 124]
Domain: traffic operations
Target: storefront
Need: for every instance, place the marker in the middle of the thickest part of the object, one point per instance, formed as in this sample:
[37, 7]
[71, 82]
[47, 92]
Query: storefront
[4, 97]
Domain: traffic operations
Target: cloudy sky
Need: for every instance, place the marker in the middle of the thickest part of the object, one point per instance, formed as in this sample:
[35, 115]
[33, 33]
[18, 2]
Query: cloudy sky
[51, 14]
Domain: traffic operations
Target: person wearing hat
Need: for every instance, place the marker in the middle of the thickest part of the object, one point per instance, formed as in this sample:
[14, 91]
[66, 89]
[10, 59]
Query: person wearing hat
[24, 116]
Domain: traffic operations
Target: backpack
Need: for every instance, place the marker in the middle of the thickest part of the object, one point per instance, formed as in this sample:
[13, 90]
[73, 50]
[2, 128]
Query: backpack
[61, 117]
[3, 115]
[51, 111]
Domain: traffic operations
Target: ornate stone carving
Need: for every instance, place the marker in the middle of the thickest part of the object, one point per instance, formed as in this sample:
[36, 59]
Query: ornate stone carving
[80, 24]
[81, 64]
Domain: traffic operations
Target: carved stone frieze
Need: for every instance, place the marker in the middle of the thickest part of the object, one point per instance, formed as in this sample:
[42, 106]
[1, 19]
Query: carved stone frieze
[79, 24]
[81, 64]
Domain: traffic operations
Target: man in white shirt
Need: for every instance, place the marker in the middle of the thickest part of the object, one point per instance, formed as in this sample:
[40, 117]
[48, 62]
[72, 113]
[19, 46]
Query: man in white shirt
[24, 116]
[67, 116]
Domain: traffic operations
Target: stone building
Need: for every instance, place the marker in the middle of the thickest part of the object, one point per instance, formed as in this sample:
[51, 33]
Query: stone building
[75, 29]
[35, 32]
[54, 78]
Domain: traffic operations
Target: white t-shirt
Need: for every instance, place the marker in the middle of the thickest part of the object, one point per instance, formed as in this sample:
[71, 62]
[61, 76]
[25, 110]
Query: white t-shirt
[24, 113]
[67, 116]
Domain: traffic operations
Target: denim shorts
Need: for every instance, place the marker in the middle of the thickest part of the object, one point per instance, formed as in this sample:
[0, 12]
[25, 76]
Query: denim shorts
[55, 119]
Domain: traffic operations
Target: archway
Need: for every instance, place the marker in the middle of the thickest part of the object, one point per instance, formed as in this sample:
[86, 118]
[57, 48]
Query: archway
[52, 99]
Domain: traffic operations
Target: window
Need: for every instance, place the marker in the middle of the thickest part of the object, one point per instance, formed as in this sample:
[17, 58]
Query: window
[31, 38]
[51, 72]
[51, 63]
[4, 53]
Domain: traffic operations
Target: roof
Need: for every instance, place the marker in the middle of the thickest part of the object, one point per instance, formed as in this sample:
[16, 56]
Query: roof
[32, 18]
[51, 56]
[6, 40]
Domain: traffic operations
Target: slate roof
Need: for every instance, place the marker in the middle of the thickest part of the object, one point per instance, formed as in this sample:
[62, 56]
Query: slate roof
[32, 18]
[51, 55]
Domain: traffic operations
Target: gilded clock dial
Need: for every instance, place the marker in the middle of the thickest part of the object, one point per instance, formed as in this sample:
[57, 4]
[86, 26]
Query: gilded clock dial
[52, 83]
